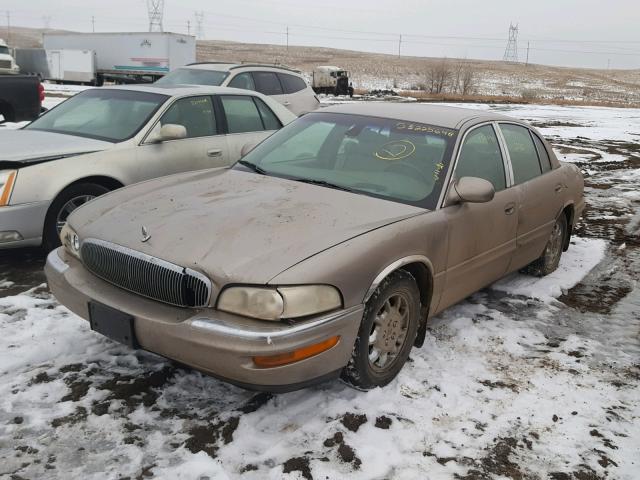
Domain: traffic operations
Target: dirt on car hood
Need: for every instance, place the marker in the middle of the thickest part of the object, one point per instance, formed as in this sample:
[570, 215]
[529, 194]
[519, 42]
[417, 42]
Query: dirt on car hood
[235, 226]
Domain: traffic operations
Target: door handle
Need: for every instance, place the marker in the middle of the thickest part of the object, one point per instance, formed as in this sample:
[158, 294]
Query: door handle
[559, 188]
[214, 152]
[509, 208]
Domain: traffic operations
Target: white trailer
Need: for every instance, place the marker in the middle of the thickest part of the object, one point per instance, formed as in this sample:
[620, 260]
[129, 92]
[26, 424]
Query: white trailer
[331, 80]
[129, 55]
[73, 66]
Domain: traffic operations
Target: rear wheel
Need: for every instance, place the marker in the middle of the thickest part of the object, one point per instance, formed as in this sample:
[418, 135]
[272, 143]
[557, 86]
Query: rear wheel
[66, 202]
[550, 258]
[387, 333]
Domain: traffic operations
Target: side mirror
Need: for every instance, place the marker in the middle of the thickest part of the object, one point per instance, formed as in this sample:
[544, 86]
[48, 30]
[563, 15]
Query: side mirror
[471, 190]
[246, 148]
[170, 131]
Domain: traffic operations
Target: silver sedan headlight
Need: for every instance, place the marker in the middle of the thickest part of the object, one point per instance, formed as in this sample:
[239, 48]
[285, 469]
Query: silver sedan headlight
[70, 240]
[282, 302]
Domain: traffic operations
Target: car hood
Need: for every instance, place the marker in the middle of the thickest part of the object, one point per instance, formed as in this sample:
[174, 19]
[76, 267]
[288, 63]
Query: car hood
[234, 226]
[34, 146]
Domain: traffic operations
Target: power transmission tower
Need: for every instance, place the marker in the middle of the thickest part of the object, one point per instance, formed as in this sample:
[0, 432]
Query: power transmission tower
[199, 22]
[8, 26]
[46, 20]
[511, 52]
[156, 10]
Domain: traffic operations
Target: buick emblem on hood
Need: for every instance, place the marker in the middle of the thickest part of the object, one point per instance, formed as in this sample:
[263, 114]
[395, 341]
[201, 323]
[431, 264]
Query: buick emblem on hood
[145, 234]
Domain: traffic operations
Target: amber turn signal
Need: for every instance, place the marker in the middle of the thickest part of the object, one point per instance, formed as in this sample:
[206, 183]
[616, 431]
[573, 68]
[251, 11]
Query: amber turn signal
[296, 355]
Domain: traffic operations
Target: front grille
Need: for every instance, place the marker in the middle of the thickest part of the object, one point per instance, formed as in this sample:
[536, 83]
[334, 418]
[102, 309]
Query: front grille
[5, 63]
[146, 275]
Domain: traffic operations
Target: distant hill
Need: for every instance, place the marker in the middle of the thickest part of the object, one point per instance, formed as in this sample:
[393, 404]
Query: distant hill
[376, 71]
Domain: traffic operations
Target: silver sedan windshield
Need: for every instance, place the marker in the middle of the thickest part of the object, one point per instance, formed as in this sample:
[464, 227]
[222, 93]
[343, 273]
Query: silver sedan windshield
[101, 113]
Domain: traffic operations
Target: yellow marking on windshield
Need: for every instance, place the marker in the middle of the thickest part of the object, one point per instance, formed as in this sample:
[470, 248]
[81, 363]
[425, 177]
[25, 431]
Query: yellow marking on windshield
[395, 150]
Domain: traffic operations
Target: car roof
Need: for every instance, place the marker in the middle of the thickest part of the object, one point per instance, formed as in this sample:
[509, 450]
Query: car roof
[226, 67]
[180, 90]
[440, 115]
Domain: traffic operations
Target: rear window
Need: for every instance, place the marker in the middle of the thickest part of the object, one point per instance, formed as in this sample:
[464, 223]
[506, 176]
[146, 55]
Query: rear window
[193, 76]
[291, 83]
[267, 83]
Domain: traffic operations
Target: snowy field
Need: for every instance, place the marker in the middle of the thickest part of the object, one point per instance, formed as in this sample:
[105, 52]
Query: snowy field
[528, 379]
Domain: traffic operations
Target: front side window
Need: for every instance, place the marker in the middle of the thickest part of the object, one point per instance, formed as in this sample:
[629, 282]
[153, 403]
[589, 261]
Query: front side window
[267, 83]
[193, 76]
[194, 113]
[291, 83]
[480, 157]
[107, 114]
[396, 160]
[242, 114]
[243, 80]
[522, 152]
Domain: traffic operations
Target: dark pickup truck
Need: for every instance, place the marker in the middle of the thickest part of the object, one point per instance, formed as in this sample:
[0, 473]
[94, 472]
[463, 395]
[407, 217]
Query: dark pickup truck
[21, 97]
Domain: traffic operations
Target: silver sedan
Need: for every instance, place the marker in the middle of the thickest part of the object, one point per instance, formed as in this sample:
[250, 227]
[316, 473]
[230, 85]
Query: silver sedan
[105, 138]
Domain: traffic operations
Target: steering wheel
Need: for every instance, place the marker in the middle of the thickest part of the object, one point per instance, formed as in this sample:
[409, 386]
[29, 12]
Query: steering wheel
[410, 170]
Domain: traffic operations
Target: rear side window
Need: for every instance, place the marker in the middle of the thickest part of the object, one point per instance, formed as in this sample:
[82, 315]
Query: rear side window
[269, 118]
[243, 80]
[291, 83]
[522, 151]
[267, 83]
[242, 114]
[194, 113]
[480, 157]
[545, 162]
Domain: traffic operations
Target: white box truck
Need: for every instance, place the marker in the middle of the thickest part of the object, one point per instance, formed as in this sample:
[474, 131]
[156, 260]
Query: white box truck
[129, 57]
[64, 66]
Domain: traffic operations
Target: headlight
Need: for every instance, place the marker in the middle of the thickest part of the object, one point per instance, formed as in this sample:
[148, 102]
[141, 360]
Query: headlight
[70, 240]
[7, 180]
[282, 302]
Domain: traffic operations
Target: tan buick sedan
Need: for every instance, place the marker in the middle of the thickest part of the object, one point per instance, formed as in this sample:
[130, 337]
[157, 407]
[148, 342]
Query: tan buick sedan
[326, 249]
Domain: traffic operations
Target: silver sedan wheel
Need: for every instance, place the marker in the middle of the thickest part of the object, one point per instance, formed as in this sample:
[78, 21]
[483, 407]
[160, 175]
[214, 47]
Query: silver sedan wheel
[69, 207]
[554, 247]
[389, 332]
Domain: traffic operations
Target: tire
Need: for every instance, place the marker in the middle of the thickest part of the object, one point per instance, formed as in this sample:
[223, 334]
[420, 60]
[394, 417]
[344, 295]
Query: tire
[375, 361]
[550, 258]
[63, 205]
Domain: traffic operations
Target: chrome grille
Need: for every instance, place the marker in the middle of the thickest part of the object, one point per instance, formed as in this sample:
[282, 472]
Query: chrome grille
[5, 63]
[146, 275]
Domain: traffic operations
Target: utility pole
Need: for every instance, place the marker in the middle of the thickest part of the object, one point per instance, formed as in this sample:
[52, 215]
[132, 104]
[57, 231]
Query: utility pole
[399, 44]
[93, 24]
[527, 63]
[188, 27]
[287, 38]
[8, 27]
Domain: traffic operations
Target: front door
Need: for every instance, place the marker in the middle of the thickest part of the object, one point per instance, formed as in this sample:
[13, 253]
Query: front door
[481, 236]
[202, 148]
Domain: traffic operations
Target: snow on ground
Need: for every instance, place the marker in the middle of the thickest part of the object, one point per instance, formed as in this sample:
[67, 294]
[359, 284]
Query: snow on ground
[528, 379]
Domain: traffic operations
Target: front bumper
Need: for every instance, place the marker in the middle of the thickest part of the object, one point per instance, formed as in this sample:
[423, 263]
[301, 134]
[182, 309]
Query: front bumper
[27, 220]
[218, 343]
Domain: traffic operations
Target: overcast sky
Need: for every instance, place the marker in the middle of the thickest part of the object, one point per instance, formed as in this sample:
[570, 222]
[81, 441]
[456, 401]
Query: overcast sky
[584, 33]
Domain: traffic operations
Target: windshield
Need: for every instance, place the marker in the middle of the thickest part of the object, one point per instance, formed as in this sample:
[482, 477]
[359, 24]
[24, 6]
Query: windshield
[193, 76]
[4, 50]
[104, 114]
[392, 159]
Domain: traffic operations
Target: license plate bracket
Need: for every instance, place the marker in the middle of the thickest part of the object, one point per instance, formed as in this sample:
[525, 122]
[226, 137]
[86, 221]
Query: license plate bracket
[113, 324]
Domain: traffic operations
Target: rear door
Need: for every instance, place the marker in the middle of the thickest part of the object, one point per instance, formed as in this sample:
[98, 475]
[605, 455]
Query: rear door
[204, 147]
[300, 97]
[248, 120]
[481, 236]
[540, 192]
[268, 83]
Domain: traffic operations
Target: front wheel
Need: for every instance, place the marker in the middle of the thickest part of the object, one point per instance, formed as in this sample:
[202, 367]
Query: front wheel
[550, 258]
[387, 332]
[66, 202]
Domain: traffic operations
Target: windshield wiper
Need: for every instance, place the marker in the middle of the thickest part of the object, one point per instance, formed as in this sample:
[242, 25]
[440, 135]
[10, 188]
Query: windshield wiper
[252, 166]
[323, 183]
